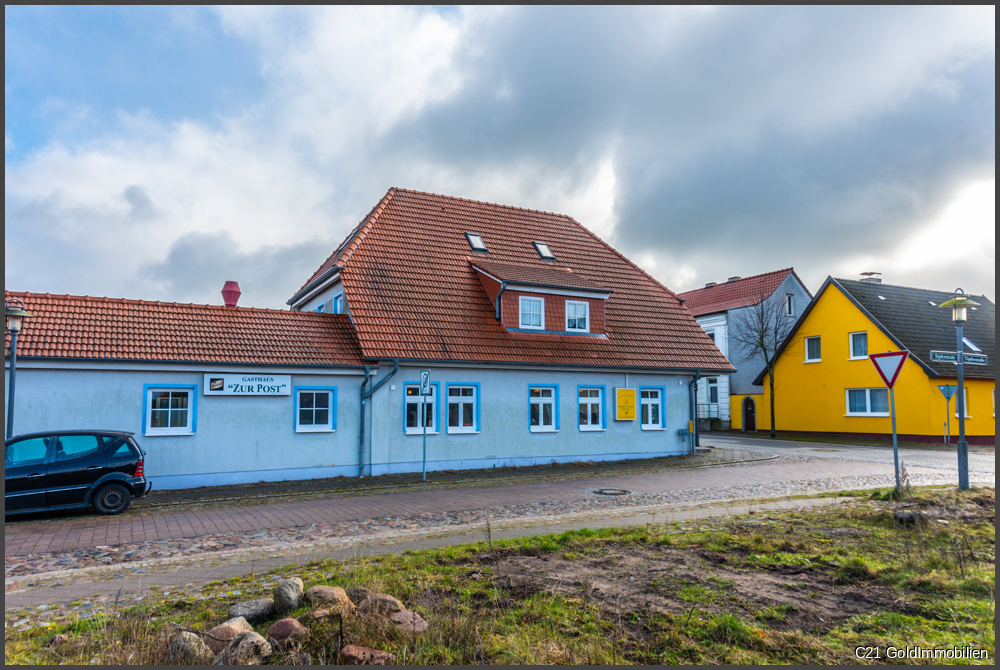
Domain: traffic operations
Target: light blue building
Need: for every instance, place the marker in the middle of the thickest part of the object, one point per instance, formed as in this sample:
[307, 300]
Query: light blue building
[543, 344]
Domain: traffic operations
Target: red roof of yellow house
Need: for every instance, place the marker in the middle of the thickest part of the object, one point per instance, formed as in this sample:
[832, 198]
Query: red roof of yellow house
[65, 326]
[413, 293]
[734, 293]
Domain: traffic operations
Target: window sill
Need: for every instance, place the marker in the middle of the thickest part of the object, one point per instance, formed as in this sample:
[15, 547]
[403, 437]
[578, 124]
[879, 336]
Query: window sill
[315, 430]
[858, 358]
[588, 429]
[461, 432]
[419, 432]
[881, 415]
[168, 434]
[535, 429]
[815, 361]
[653, 428]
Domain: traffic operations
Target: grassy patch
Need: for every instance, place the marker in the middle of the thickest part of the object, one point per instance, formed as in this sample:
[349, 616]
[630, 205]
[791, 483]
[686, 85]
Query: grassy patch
[789, 587]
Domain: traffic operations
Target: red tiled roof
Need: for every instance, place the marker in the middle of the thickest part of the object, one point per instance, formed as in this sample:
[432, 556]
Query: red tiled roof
[414, 296]
[547, 276]
[733, 294]
[66, 326]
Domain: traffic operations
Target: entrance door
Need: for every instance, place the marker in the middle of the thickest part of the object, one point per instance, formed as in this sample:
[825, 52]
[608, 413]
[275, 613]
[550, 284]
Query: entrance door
[749, 416]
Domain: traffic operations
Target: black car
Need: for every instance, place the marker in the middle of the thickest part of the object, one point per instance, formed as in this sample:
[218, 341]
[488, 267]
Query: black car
[73, 469]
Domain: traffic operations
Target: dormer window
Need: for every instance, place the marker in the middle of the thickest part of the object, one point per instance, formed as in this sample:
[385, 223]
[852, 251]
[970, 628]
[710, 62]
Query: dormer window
[543, 250]
[532, 313]
[476, 242]
[577, 316]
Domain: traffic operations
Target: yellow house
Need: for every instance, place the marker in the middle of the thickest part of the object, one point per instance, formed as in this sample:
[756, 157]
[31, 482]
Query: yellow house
[825, 384]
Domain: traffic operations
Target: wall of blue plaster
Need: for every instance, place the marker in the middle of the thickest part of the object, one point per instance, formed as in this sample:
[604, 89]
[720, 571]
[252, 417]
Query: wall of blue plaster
[238, 440]
[242, 440]
[504, 438]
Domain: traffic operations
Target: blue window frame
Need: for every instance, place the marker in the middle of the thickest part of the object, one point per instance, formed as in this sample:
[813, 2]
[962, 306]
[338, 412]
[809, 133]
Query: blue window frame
[462, 408]
[418, 409]
[169, 409]
[315, 409]
[543, 408]
[593, 410]
[338, 303]
[651, 404]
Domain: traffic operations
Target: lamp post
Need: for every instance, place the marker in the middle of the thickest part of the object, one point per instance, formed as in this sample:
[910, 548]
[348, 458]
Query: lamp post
[960, 305]
[16, 314]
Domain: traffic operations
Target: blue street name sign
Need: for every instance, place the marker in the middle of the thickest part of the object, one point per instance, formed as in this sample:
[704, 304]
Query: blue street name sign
[952, 357]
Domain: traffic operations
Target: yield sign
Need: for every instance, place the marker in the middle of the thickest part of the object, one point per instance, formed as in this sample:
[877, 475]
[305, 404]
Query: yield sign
[889, 365]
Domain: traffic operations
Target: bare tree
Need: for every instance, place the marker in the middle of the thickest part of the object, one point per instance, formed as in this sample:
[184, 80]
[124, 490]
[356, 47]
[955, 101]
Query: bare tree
[757, 332]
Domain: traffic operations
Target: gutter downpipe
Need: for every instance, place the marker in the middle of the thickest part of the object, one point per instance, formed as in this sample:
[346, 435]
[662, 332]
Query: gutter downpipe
[693, 398]
[503, 287]
[364, 396]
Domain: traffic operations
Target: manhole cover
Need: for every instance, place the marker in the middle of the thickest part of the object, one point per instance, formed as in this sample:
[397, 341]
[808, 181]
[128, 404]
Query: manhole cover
[612, 492]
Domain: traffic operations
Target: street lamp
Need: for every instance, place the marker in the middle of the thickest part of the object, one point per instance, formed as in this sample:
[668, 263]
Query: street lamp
[960, 305]
[16, 314]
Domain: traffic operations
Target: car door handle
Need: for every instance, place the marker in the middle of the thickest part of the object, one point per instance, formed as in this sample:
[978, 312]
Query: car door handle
[35, 476]
[95, 468]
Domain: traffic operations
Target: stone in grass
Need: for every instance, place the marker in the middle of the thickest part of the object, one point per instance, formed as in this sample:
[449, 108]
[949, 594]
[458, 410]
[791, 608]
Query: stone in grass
[219, 637]
[911, 518]
[286, 634]
[254, 611]
[358, 594]
[57, 640]
[188, 649]
[353, 654]
[380, 603]
[332, 598]
[287, 595]
[245, 649]
[410, 622]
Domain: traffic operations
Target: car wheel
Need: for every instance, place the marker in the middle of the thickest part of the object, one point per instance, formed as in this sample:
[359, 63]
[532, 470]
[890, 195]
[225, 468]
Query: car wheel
[112, 499]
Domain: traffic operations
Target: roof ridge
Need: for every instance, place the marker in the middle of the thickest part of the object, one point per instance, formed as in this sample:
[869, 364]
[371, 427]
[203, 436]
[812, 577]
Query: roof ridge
[366, 225]
[911, 288]
[134, 301]
[483, 202]
[786, 271]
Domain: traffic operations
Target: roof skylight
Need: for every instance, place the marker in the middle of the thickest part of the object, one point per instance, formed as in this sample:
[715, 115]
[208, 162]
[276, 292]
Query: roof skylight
[543, 250]
[476, 242]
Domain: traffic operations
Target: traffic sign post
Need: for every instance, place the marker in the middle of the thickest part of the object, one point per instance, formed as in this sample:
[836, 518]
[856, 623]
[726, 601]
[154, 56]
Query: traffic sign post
[888, 366]
[426, 390]
[947, 391]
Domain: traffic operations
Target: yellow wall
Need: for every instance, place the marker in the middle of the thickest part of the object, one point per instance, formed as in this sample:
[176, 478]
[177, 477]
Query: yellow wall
[812, 397]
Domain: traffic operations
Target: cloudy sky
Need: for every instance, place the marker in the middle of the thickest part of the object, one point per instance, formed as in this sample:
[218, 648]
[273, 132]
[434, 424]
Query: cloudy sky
[155, 153]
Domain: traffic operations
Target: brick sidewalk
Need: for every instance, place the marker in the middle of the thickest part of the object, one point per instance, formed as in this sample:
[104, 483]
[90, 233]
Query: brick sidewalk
[34, 537]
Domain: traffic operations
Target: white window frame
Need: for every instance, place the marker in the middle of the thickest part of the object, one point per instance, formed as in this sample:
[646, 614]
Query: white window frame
[421, 413]
[711, 335]
[868, 402]
[599, 400]
[521, 312]
[586, 315]
[814, 360]
[540, 401]
[331, 423]
[711, 382]
[850, 345]
[649, 402]
[192, 407]
[966, 394]
[472, 400]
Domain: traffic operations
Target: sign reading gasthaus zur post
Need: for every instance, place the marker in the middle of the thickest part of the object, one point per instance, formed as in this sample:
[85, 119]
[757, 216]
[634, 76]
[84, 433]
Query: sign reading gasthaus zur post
[248, 384]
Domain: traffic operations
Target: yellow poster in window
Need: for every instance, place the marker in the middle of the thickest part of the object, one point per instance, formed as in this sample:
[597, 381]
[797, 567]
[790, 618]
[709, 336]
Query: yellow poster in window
[625, 404]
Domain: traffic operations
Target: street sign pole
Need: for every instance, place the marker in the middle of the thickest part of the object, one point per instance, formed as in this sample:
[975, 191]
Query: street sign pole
[895, 444]
[425, 392]
[888, 366]
[963, 446]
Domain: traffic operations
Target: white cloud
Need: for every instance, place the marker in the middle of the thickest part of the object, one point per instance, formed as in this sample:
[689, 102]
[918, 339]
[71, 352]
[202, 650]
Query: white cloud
[359, 99]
